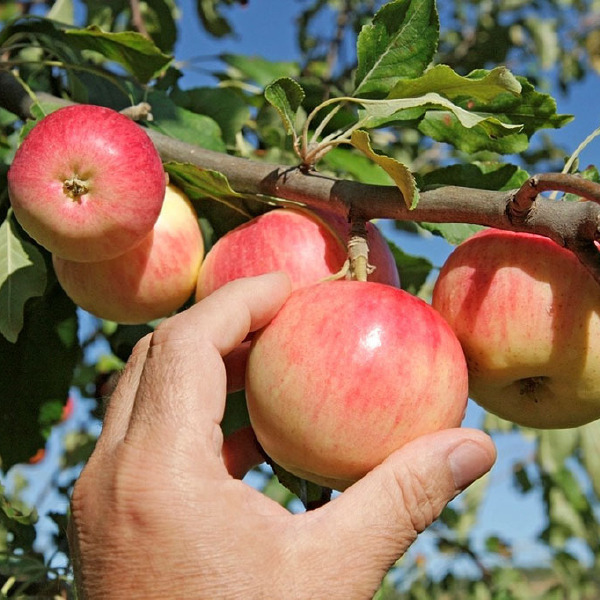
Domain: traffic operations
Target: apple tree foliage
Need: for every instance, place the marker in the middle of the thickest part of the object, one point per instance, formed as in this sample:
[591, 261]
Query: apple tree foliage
[405, 93]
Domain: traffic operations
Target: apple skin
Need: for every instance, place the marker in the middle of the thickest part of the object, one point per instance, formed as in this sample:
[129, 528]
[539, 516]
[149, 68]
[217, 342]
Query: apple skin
[148, 282]
[305, 245]
[116, 162]
[346, 373]
[527, 314]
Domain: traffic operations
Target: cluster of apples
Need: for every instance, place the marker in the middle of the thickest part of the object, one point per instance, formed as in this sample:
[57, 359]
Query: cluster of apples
[344, 362]
[88, 184]
[347, 371]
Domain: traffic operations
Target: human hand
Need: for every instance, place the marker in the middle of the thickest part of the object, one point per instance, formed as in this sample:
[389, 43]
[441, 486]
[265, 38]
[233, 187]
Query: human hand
[155, 513]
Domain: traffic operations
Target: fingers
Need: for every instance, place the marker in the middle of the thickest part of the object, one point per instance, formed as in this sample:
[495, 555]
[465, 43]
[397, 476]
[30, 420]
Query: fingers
[182, 387]
[122, 398]
[383, 513]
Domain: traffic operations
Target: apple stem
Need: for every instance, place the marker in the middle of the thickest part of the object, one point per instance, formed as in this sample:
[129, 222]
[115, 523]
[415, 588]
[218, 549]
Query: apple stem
[75, 188]
[343, 273]
[358, 250]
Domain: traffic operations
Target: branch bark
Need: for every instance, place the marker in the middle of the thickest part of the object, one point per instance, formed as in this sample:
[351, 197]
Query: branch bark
[574, 225]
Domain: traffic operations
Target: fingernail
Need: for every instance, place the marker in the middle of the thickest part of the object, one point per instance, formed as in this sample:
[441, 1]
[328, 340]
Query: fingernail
[468, 462]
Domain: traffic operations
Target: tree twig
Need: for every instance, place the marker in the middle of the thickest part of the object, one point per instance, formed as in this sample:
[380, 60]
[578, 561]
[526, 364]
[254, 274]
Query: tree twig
[137, 19]
[574, 225]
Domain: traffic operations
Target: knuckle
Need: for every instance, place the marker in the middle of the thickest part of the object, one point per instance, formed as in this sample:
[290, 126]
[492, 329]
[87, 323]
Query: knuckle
[419, 503]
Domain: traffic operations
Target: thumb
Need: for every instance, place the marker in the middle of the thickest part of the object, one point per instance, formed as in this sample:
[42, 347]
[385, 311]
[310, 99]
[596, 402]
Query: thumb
[381, 515]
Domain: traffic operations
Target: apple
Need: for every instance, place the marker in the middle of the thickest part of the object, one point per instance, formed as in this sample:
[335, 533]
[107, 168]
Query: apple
[148, 282]
[86, 183]
[308, 246]
[346, 373]
[527, 314]
[241, 452]
[68, 409]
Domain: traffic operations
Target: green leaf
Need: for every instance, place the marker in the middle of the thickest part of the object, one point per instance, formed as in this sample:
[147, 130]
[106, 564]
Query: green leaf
[212, 20]
[445, 127]
[494, 424]
[258, 69]
[34, 373]
[184, 125]
[530, 112]
[521, 478]
[23, 567]
[471, 501]
[349, 163]
[213, 197]
[286, 96]
[22, 276]
[134, 52]
[15, 514]
[590, 453]
[480, 175]
[399, 43]
[555, 446]
[236, 413]
[63, 12]
[532, 109]
[160, 23]
[19, 522]
[569, 511]
[223, 105]
[413, 270]
[401, 175]
[453, 233]
[308, 492]
[545, 38]
[376, 113]
[441, 79]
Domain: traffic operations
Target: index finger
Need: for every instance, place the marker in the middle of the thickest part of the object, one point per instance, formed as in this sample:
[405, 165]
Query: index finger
[182, 387]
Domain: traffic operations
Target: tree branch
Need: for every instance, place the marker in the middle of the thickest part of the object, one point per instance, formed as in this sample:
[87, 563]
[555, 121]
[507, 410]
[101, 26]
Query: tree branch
[574, 225]
[137, 19]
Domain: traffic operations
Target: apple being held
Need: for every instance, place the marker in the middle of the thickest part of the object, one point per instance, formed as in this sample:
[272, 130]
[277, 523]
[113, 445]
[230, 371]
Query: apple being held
[149, 281]
[346, 373]
[309, 247]
[86, 183]
[527, 314]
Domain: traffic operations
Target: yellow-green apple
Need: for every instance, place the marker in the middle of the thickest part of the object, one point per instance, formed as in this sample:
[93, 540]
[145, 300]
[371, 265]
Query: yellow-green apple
[527, 314]
[307, 246]
[86, 183]
[149, 281]
[346, 373]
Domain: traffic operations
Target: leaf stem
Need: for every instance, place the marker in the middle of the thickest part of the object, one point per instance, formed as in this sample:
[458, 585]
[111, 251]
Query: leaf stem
[321, 126]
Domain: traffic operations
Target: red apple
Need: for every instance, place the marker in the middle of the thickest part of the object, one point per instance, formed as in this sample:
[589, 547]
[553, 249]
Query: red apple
[527, 314]
[148, 282]
[305, 245]
[86, 183]
[68, 409]
[241, 452]
[346, 373]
